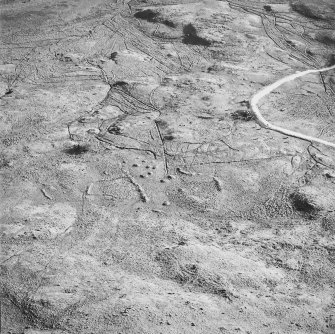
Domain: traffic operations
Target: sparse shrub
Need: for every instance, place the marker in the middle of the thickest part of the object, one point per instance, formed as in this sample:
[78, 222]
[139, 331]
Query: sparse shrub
[243, 115]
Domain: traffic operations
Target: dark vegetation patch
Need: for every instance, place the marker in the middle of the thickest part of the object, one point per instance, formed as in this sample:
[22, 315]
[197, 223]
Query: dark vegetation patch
[115, 129]
[303, 204]
[243, 115]
[148, 15]
[211, 69]
[77, 149]
[267, 8]
[169, 136]
[153, 17]
[191, 36]
[113, 56]
[289, 42]
[120, 84]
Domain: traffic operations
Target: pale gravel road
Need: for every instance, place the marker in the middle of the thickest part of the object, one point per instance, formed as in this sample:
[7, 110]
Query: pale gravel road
[268, 89]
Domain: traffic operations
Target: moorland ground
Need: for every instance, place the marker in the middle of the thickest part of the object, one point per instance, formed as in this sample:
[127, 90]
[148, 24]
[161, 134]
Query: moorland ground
[139, 194]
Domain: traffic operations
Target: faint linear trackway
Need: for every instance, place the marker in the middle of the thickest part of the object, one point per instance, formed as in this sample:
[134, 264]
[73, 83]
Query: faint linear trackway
[268, 89]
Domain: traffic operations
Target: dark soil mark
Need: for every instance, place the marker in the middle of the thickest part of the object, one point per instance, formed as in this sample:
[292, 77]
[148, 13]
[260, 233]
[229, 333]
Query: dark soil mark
[169, 136]
[113, 56]
[162, 123]
[191, 37]
[151, 16]
[120, 84]
[168, 23]
[77, 149]
[168, 133]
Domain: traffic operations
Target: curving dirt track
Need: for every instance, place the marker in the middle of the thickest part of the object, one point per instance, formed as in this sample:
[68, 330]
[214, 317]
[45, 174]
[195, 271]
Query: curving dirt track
[268, 89]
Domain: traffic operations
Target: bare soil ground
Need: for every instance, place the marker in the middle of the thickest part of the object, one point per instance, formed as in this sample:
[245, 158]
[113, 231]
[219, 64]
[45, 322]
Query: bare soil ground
[138, 194]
